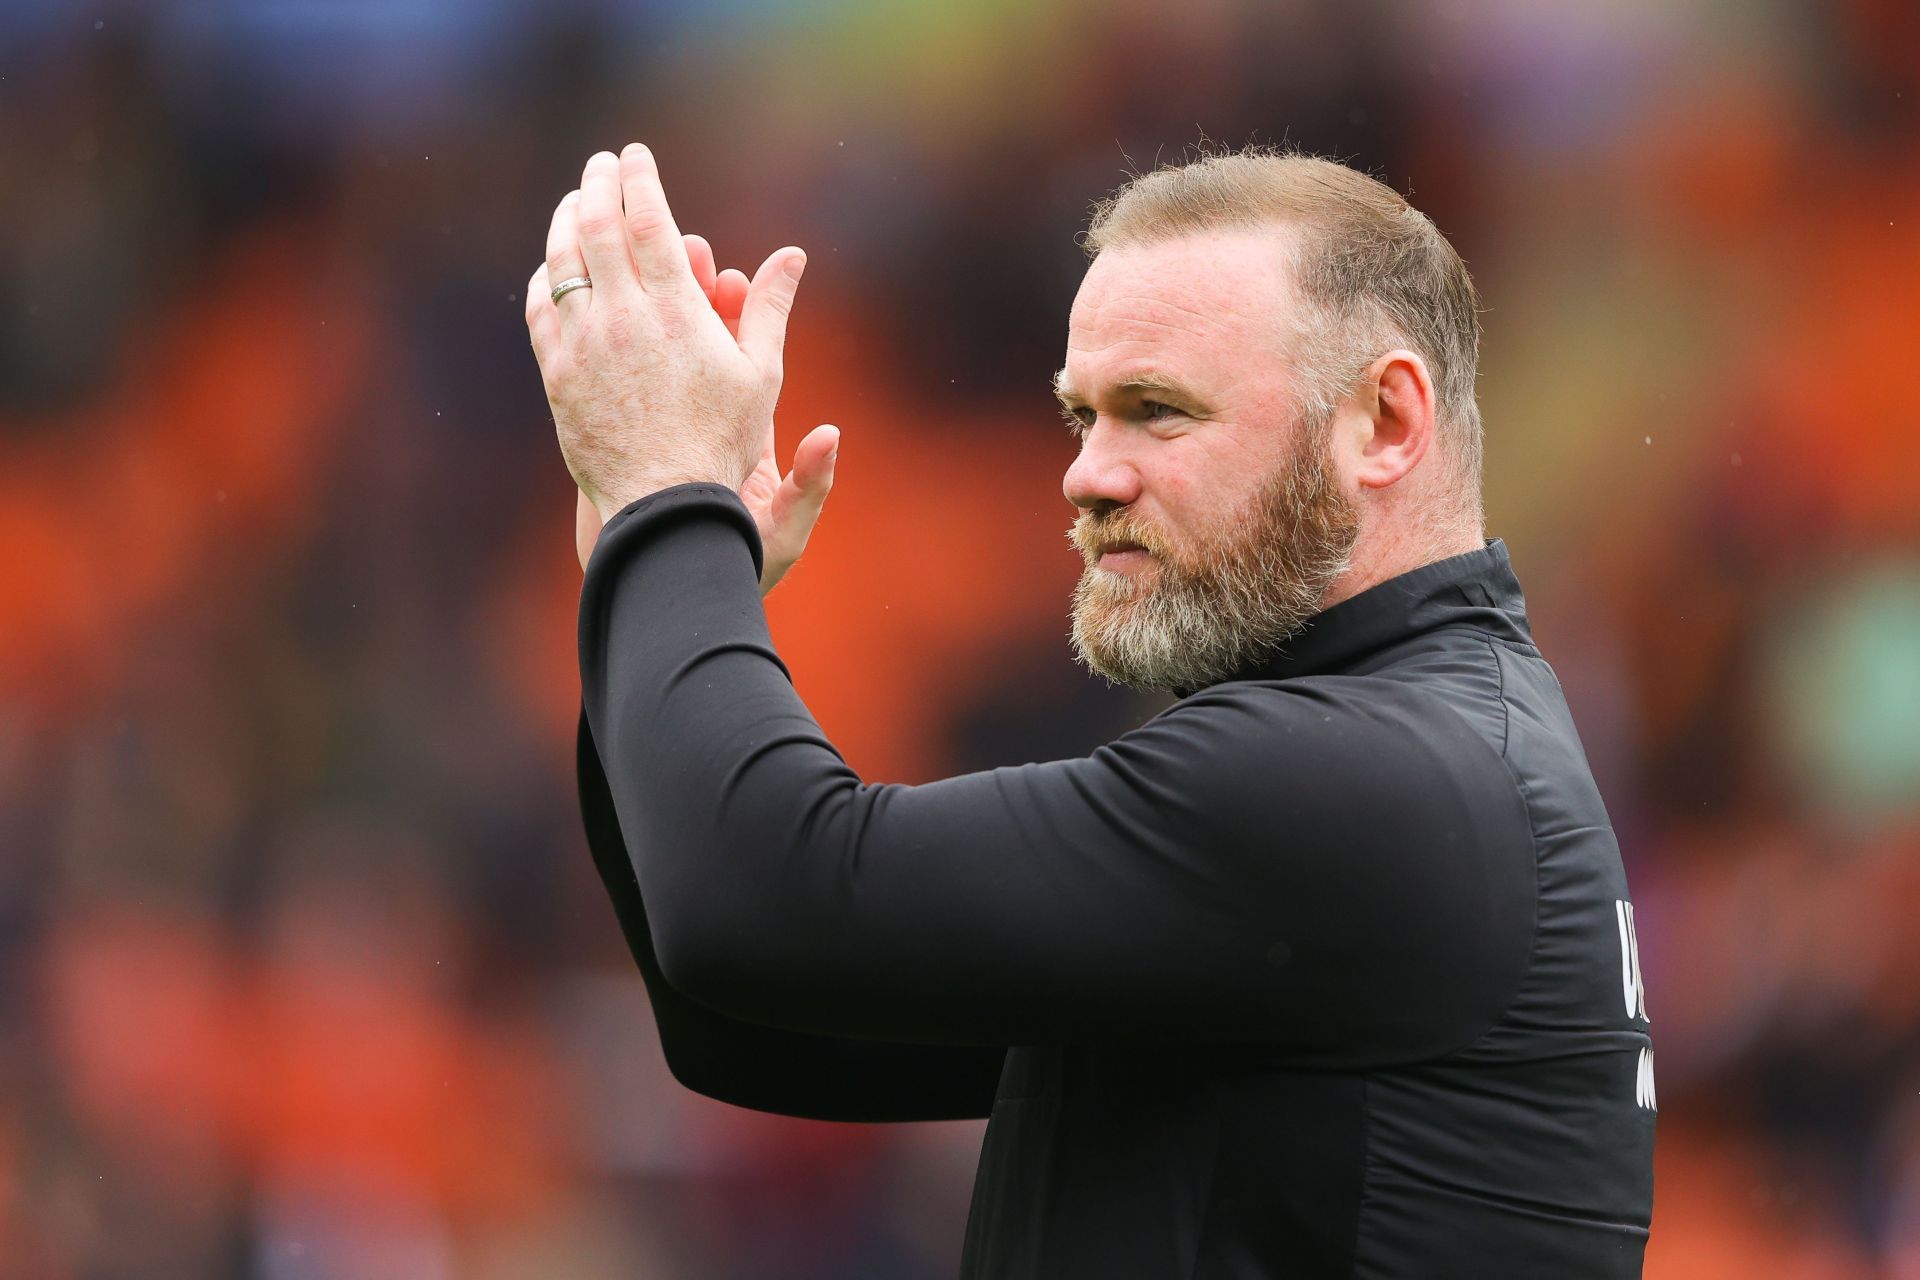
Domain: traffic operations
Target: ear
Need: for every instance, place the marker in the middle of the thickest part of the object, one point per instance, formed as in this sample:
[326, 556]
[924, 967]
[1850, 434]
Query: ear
[1398, 393]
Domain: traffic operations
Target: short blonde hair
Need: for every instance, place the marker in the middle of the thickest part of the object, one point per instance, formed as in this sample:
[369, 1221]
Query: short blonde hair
[1372, 271]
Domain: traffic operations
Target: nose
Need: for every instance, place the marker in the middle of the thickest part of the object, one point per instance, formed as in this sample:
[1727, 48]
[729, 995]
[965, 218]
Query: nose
[1104, 475]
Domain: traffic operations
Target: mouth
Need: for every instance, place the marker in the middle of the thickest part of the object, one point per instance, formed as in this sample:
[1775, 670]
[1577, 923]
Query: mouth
[1122, 555]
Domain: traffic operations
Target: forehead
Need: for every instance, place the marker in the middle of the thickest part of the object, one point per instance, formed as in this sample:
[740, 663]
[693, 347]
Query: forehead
[1210, 309]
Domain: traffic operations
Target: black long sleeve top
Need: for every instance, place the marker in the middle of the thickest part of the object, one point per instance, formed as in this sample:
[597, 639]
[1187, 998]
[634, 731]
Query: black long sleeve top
[1327, 970]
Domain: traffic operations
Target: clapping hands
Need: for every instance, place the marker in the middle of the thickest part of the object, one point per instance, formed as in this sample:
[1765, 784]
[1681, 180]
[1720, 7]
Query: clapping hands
[665, 370]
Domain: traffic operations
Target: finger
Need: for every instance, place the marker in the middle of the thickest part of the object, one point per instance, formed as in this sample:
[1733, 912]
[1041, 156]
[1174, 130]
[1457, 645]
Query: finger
[729, 295]
[602, 240]
[814, 460]
[763, 317]
[563, 256]
[797, 504]
[658, 252]
[700, 259]
[543, 318]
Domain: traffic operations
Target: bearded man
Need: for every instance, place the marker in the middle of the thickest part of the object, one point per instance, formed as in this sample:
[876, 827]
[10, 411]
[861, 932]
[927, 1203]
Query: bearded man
[1327, 970]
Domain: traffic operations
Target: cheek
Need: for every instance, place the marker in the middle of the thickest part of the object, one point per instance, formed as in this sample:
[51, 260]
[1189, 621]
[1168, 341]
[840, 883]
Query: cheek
[1206, 469]
[1203, 489]
[1183, 491]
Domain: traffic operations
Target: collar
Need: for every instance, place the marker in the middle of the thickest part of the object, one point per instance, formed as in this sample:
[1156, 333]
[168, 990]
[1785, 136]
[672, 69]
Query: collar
[1475, 590]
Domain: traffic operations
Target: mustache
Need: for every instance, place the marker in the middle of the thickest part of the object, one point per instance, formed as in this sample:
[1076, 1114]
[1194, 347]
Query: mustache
[1094, 533]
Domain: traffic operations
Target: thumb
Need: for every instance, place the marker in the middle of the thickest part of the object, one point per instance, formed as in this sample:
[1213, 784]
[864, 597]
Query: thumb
[796, 506]
[813, 460]
[763, 317]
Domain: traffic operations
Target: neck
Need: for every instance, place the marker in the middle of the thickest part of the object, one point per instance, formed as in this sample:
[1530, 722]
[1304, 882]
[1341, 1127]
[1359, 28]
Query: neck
[1387, 550]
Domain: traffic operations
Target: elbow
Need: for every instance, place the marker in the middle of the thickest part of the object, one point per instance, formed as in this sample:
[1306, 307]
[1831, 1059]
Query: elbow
[751, 970]
[708, 957]
[688, 952]
[751, 935]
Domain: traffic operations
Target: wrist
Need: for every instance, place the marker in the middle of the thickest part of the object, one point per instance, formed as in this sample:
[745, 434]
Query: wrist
[610, 502]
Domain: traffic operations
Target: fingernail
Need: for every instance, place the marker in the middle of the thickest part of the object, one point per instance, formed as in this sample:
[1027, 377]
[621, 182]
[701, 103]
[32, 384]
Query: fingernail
[796, 265]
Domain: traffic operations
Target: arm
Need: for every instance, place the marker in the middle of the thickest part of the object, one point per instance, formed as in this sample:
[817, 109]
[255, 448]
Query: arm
[765, 1068]
[748, 1065]
[1227, 872]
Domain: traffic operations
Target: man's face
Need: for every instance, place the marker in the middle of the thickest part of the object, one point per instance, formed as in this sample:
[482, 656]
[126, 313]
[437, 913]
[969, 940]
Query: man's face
[1212, 520]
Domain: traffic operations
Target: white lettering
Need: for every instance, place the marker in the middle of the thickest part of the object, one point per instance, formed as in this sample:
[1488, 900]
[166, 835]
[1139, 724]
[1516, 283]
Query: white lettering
[1634, 989]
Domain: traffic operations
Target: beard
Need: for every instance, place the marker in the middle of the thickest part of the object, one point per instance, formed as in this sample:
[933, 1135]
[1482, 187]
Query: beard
[1202, 612]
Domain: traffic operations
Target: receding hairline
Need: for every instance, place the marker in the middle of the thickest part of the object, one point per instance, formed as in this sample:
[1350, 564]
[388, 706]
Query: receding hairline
[1287, 231]
[1248, 187]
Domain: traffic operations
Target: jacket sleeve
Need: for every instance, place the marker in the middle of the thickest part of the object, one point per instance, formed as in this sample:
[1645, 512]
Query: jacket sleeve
[1338, 870]
[766, 1068]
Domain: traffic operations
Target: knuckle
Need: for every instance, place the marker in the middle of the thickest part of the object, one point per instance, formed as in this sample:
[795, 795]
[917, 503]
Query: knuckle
[644, 223]
[596, 223]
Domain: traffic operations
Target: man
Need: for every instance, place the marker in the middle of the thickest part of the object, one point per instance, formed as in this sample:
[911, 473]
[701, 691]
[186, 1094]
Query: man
[1328, 970]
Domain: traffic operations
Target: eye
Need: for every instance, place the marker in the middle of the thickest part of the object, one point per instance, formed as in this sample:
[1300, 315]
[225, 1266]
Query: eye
[1078, 419]
[1153, 409]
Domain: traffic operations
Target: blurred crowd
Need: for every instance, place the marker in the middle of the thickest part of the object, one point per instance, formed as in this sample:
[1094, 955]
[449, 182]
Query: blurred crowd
[304, 970]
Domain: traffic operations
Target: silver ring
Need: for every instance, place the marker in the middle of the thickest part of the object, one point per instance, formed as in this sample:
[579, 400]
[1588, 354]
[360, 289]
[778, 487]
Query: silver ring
[568, 285]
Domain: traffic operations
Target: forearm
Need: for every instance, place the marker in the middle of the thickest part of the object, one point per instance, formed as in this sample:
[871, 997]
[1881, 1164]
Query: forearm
[685, 697]
[766, 1068]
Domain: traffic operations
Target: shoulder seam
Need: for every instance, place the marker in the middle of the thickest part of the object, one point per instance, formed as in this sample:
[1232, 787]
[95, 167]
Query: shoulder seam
[1533, 844]
[1506, 713]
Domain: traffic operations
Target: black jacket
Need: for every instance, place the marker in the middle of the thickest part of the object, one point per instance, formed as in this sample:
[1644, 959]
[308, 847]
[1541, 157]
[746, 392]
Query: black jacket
[1326, 971]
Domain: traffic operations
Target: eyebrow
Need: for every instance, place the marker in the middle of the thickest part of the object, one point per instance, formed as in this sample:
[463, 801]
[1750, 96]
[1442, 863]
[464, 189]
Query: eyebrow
[1148, 382]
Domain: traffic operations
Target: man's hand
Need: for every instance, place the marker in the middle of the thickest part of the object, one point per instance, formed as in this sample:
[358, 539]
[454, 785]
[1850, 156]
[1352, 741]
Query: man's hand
[785, 509]
[648, 386]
